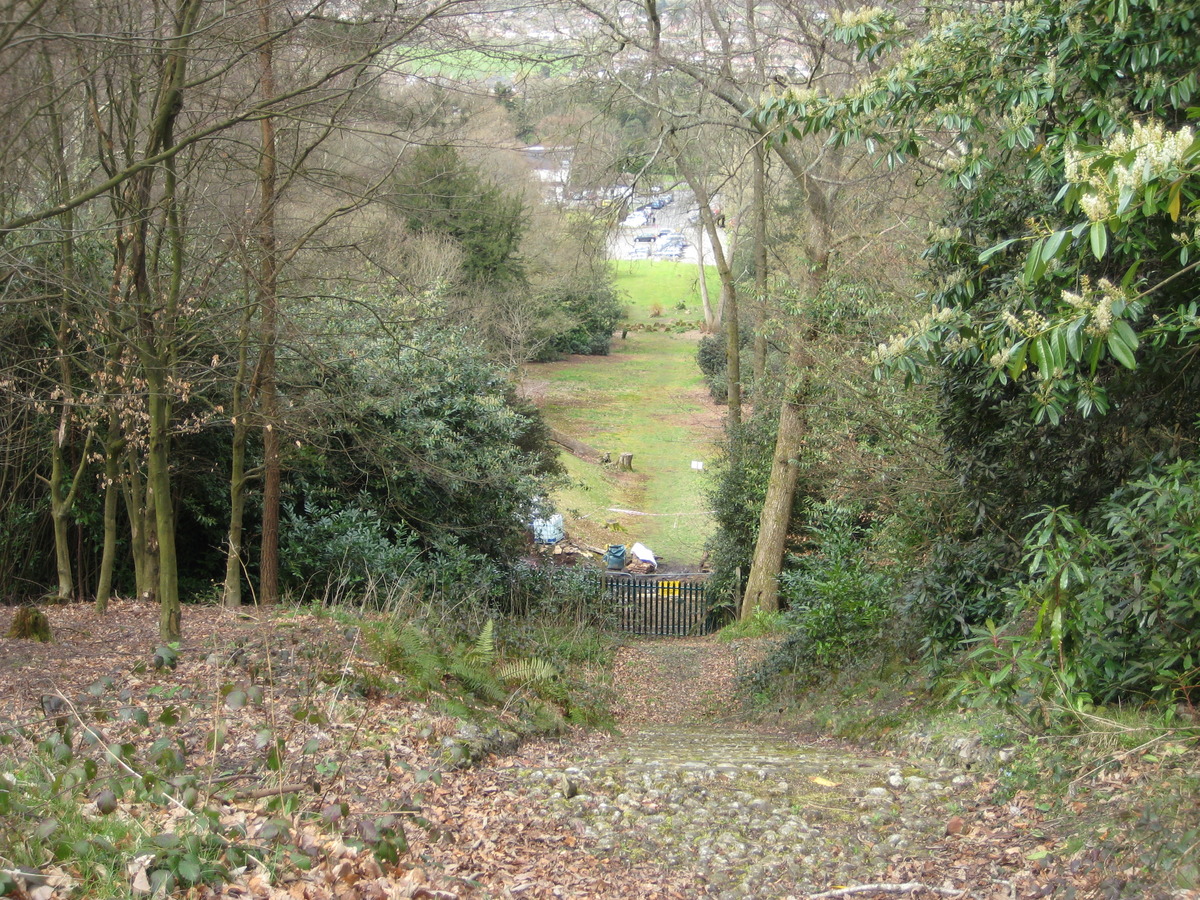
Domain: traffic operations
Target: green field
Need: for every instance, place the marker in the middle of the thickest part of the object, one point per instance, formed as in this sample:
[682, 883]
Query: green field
[667, 284]
[513, 65]
[647, 398]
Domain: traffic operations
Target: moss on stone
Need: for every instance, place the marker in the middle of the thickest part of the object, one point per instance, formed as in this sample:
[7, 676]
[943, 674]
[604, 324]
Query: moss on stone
[30, 624]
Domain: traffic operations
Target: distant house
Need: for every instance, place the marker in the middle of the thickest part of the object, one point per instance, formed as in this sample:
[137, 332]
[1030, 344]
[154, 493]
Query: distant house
[552, 167]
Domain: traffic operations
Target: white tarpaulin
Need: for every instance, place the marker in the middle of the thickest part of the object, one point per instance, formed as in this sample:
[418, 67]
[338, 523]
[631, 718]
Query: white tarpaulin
[642, 552]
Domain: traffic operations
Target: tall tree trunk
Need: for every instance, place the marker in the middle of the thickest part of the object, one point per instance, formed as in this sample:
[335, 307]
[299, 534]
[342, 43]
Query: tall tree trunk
[268, 591]
[143, 545]
[760, 260]
[235, 562]
[729, 309]
[62, 495]
[113, 448]
[159, 488]
[159, 312]
[711, 322]
[62, 499]
[762, 586]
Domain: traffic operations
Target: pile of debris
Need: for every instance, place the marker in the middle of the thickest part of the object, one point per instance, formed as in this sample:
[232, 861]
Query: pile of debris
[549, 535]
[643, 561]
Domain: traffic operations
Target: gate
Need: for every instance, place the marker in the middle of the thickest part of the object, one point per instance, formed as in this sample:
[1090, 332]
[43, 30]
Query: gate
[660, 605]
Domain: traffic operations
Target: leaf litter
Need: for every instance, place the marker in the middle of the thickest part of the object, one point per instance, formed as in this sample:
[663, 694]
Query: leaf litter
[259, 717]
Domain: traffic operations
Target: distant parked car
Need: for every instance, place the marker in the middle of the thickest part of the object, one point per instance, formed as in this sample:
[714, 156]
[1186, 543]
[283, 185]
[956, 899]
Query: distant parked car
[635, 220]
[658, 203]
[645, 238]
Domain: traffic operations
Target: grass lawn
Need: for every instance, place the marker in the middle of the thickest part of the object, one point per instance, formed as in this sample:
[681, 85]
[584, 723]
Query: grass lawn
[520, 62]
[666, 284]
[647, 398]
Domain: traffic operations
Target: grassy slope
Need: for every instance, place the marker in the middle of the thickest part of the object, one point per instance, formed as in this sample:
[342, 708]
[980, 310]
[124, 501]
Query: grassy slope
[647, 399]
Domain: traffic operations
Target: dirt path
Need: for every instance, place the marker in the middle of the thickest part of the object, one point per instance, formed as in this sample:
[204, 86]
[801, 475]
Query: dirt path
[685, 802]
[744, 812]
[674, 681]
[682, 680]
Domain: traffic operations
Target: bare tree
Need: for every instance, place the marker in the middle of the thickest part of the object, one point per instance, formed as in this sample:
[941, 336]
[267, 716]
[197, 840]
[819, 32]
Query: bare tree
[152, 98]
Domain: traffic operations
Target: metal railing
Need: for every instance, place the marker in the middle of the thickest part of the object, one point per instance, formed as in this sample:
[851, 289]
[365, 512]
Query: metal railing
[663, 605]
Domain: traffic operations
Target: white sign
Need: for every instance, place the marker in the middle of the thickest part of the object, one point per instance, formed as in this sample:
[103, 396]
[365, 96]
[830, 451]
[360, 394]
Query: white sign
[697, 465]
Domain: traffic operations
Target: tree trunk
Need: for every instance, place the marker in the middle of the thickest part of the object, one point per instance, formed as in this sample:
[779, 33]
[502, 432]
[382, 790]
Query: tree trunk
[235, 562]
[578, 448]
[711, 321]
[59, 510]
[160, 338]
[159, 489]
[139, 507]
[760, 260]
[62, 499]
[62, 496]
[729, 310]
[762, 586]
[733, 356]
[113, 448]
[268, 590]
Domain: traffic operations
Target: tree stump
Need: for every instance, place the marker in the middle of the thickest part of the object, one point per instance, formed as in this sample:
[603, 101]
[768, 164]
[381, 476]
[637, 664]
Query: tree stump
[625, 462]
[30, 624]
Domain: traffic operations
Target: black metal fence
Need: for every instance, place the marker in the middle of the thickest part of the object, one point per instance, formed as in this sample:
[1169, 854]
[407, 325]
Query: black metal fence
[660, 605]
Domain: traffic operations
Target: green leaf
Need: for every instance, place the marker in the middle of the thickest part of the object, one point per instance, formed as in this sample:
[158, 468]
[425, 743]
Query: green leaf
[1130, 274]
[1053, 245]
[1043, 355]
[189, 869]
[1016, 363]
[1075, 338]
[1128, 335]
[1094, 351]
[992, 251]
[1098, 237]
[46, 828]
[1034, 266]
[1121, 351]
[215, 739]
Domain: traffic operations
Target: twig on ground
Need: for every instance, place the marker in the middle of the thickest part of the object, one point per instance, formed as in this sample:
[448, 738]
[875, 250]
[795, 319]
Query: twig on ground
[259, 793]
[1122, 755]
[907, 887]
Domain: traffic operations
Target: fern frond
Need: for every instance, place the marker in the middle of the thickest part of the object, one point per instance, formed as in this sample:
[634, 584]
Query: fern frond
[527, 671]
[479, 680]
[410, 652]
[484, 651]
